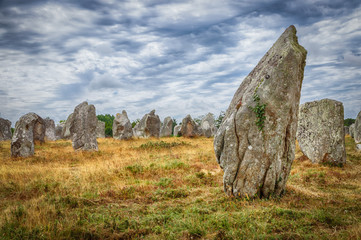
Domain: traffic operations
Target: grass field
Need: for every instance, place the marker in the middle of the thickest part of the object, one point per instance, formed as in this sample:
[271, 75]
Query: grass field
[169, 188]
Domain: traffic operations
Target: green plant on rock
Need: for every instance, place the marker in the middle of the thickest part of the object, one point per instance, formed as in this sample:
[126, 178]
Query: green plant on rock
[259, 110]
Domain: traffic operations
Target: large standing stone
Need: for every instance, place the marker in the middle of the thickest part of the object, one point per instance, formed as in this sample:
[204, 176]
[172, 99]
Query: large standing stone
[321, 133]
[5, 129]
[166, 129]
[100, 129]
[357, 128]
[83, 127]
[208, 126]
[189, 127]
[352, 130]
[50, 129]
[66, 133]
[122, 128]
[255, 143]
[176, 130]
[149, 126]
[28, 128]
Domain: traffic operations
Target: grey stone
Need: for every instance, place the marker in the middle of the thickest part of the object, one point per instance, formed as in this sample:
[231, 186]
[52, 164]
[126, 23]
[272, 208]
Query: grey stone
[100, 130]
[321, 133]
[5, 129]
[256, 157]
[358, 147]
[149, 126]
[208, 126]
[122, 128]
[28, 129]
[166, 129]
[190, 128]
[66, 133]
[352, 130]
[176, 131]
[357, 128]
[83, 127]
[59, 130]
[50, 129]
[347, 130]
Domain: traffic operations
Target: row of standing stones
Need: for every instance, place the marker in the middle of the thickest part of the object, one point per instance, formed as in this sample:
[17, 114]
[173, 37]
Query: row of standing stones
[255, 143]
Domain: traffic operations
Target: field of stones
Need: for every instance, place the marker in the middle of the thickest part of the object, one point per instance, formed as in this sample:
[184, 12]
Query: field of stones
[270, 169]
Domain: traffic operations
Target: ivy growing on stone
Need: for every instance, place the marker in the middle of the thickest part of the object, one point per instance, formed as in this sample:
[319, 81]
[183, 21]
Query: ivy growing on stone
[259, 110]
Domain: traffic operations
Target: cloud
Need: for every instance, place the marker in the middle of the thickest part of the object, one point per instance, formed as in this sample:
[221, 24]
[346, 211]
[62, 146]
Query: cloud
[179, 57]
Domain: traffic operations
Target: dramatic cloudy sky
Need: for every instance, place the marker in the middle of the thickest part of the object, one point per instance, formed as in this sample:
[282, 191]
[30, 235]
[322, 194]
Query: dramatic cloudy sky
[177, 57]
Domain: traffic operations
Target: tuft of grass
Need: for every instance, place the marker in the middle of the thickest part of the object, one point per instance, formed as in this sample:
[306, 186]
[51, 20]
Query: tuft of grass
[161, 145]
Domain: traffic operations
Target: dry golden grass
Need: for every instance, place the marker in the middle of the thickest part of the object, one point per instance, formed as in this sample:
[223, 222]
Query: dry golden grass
[168, 188]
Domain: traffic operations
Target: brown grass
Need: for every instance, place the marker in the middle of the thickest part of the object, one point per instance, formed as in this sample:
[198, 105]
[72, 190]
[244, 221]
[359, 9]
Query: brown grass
[165, 191]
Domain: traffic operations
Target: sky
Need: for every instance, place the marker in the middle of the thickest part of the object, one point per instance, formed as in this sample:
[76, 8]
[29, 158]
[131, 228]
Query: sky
[177, 57]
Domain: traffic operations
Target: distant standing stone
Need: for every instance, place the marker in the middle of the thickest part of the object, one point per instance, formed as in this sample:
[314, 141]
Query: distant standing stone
[352, 130]
[83, 127]
[347, 130]
[149, 126]
[50, 129]
[59, 130]
[189, 127]
[5, 129]
[176, 130]
[28, 128]
[357, 129]
[66, 133]
[208, 126]
[166, 129]
[122, 128]
[100, 129]
[255, 143]
[321, 131]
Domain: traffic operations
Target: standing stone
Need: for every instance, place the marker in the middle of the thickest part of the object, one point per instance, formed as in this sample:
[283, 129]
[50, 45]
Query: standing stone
[176, 130]
[122, 128]
[59, 130]
[352, 130]
[149, 126]
[83, 127]
[189, 127]
[166, 129]
[347, 130]
[357, 129]
[100, 131]
[28, 128]
[5, 129]
[208, 126]
[256, 150]
[50, 129]
[321, 133]
[66, 133]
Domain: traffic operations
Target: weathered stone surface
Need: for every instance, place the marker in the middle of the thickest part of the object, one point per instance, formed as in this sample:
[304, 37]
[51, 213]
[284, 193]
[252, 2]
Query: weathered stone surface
[83, 127]
[50, 129]
[189, 127]
[256, 157]
[321, 133]
[149, 126]
[100, 130]
[357, 128]
[28, 128]
[5, 129]
[176, 131]
[208, 126]
[347, 130]
[66, 133]
[122, 128]
[352, 130]
[59, 130]
[166, 129]
[358, 147]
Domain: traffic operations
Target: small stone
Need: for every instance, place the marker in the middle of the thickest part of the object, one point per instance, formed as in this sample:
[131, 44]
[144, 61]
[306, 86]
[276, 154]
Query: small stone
[66, 133]
[208, 126]
[122, 128]
[50, 129]
[100, 129]
[189, 128]
[357, 129]
[176, 131]
[166, 129]
[5, 129]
